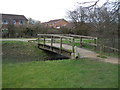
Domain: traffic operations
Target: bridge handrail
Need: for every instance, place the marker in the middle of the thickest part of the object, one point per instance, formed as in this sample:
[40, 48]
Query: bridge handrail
[78, 36]
[57, 35]
[68, 36]
[72, 37]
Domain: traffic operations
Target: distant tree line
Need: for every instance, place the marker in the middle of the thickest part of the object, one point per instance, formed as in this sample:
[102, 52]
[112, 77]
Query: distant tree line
[29, 29]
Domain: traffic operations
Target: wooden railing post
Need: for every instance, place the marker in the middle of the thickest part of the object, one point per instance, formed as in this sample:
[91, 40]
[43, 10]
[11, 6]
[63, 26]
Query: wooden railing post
[80, 42]
[73, 44]
[60, 44]
[51, 42]
[38, 40]
[44, 40]
[73, 50]
[95, 45]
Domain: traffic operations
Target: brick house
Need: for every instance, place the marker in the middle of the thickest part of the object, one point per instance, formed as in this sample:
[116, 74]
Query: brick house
[58, 23]
[16, 20]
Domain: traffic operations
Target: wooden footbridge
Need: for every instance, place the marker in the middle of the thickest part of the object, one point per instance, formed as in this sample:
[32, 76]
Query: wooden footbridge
[56, 43]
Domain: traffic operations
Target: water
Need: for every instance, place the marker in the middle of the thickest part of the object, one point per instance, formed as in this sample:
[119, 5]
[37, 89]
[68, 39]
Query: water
[54, 56]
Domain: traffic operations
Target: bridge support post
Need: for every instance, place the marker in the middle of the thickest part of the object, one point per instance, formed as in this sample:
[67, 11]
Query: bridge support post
[75, 55]
[51, 42]
[44, 41]
[73, 51]
[73, 44]
[95, 43]
[38, 40]
[80, 42]
[60, 44]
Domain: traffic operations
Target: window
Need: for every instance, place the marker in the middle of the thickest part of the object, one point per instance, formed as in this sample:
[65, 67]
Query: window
[14, 22]
[32, 22]
[4, 22]
[21, 22]
[4, 30]
[57, 27]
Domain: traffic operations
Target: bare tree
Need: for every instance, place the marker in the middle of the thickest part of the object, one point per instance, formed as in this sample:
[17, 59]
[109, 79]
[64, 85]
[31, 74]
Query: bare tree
[79, 17]
[103, 21]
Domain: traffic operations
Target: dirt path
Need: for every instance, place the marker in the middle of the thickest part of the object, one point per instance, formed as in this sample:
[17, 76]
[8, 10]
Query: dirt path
[84, 53]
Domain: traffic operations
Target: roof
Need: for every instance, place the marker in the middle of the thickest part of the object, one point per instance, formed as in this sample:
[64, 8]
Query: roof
[14, 16]
[54, 21]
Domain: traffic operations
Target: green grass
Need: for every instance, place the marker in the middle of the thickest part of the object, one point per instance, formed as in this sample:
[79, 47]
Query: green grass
[115, 54]
[18, 51]
[87, 40]
[83, 73]
[101, 56]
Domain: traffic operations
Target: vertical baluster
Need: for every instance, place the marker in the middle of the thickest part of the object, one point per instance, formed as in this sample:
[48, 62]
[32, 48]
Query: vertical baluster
[60, 44]
[38, 40]
[51, 42]
[44, 41]
[95, 45]
[73, 44]
[80, 42]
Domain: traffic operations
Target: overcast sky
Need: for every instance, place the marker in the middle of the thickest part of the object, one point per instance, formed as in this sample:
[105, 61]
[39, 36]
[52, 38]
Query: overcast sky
[42, 10]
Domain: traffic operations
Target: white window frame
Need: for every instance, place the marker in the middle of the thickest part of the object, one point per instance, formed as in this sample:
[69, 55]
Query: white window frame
[20, 22]
[57, 27]
[14, 21]
[4, 22]
[6, 29]
[2, 30]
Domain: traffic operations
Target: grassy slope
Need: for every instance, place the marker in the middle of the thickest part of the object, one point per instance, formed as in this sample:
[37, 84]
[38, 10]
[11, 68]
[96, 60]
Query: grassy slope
[83, 73]
[17, 51]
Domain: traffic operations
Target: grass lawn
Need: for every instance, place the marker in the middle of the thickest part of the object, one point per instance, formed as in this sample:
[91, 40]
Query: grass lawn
[83, 73]
[17, 72]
